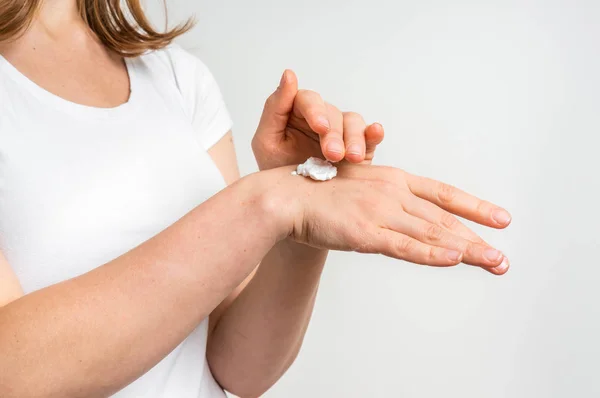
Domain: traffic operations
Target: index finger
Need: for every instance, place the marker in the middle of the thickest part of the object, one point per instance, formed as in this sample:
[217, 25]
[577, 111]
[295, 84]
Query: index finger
[459, 202]
[310, 106]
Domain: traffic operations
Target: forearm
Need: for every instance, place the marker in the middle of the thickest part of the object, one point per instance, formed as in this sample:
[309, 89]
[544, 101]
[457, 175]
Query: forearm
[259, 335]
[94, 334]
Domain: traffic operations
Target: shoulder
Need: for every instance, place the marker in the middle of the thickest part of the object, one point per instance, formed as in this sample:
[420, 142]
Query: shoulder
[173, 70]
[186, 70]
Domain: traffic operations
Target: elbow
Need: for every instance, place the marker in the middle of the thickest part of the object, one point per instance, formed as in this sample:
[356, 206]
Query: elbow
[242, 381]
[248, 381]
[244, 392]
[249, 375]
[243, 387]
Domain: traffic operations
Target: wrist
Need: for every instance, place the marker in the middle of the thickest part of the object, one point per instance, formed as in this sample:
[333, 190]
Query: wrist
[303, 254]
[274, 195]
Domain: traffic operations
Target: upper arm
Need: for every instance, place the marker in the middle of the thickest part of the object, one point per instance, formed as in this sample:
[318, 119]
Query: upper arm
[10, 288]
[223, 154]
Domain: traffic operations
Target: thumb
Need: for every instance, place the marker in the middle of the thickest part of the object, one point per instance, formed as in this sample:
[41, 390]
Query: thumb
[279, 105]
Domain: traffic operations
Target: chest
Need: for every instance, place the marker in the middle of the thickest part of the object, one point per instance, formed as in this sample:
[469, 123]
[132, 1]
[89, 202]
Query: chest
[97, 78]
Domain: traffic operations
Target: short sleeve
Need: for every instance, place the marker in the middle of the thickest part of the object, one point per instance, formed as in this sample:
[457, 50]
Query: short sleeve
[202, 98]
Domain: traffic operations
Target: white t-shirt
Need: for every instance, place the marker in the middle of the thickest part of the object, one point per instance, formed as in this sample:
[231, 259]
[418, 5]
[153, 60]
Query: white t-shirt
[79, 185]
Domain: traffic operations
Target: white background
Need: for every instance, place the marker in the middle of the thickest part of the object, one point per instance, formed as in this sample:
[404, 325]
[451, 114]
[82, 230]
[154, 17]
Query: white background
[500, 98]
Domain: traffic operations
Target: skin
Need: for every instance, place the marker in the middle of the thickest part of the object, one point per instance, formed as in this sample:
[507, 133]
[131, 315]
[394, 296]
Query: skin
[258, 315]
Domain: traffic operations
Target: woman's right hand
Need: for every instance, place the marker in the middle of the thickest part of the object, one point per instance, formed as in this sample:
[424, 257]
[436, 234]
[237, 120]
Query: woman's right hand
[374, 209]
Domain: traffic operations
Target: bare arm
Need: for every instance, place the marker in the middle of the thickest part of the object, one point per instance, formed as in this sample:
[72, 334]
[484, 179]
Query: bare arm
[257, 331]
[92, 335]
[10, 288]
[290, 272]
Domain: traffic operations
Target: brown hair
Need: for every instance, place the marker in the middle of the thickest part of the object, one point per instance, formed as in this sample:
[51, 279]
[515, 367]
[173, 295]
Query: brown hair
[122, 28]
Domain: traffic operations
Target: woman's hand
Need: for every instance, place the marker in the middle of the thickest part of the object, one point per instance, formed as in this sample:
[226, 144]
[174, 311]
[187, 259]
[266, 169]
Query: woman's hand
[384, 210]
[297, 124]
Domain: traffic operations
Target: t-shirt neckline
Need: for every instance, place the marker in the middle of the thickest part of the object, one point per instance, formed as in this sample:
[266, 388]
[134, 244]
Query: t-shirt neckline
[72, 107]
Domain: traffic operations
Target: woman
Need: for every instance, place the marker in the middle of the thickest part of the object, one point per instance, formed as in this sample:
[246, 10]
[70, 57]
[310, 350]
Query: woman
[130, 244]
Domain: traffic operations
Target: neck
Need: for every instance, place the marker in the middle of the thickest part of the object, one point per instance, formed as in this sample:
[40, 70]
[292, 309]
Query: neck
[59, 21]
[54, 14]
[57, 25]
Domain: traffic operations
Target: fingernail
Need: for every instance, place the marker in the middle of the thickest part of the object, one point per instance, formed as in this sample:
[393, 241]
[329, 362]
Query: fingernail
[453, 255]
[323, 121]
[492, 255]
[283, 78]
[503, 266]
[501, 217]
[335, 147]
[354, 149]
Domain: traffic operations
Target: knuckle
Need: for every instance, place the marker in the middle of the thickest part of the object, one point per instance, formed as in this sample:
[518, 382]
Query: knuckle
[261, 146]
[353, 117]
[310, 96]
[469, 248]
[391, 174]
[405, 247]
[256, 147]
[411, 181]
[370, 154]
[270, 101]
[332, 108]
[433, 233]
[449, 221]
[464, 246]
[431, 254]
[255, 142]
[446, 193]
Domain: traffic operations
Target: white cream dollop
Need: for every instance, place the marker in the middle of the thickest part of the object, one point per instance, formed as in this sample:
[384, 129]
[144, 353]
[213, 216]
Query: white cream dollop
[317, 169]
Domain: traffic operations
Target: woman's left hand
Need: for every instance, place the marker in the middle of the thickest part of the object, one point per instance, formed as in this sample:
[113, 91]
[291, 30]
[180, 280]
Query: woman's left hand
[297, 124]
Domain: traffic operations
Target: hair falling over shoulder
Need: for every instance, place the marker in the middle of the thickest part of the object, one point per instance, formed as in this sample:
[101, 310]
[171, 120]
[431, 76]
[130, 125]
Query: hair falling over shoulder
[121, 25]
